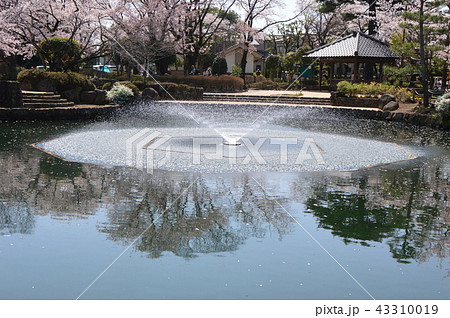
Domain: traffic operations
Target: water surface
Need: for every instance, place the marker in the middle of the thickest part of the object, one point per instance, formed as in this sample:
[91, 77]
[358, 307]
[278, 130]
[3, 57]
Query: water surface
[243, 235]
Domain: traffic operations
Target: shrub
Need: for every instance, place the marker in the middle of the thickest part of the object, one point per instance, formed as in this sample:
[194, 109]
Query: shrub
[61, 82]
[373, 90]
[107, 86]
[250, 79]
[267, 85]
[346, 88]
[120, 94]
[177, 91]
[443, 104]
[236, 70]
[141, 85]
[130, 86]
[113, 75]
[223, 83]
[219, 66]
[124, 77]
[60, 53]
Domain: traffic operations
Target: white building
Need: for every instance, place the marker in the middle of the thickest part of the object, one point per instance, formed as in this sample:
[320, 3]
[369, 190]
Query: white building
[233, 56]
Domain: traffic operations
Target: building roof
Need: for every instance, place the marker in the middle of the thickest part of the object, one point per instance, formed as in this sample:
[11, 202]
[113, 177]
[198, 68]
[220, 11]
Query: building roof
[357, 44]
[236, 47]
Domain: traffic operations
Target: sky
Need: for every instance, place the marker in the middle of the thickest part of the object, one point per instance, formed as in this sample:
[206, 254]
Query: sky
[289, 10]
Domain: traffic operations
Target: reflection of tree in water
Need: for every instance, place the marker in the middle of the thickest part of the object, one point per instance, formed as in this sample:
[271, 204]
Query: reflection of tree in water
[213, 216]
[15, 219]
[406, 209]
[346, 215]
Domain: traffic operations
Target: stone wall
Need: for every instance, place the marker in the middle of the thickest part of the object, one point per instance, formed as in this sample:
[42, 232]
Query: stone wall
[337, 100]
[10, 94]
[62, 113]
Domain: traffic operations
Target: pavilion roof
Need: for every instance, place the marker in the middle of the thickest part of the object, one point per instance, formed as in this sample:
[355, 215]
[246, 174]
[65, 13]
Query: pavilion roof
[357, 44]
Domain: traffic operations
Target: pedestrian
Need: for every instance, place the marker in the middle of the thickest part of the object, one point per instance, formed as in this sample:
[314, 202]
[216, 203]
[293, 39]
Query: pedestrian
[193, 70]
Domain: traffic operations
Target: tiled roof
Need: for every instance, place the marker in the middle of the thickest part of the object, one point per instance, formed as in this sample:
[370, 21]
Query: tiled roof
[356, 44]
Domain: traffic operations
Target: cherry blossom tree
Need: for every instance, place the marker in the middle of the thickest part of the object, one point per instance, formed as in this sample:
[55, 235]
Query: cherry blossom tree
[203, 21]
[141, 31]
[320, 27]
[25, 23]
[264, 11]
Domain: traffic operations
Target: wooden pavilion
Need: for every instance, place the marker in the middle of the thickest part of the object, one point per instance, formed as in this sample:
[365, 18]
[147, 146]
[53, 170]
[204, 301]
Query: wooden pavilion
[357, 57]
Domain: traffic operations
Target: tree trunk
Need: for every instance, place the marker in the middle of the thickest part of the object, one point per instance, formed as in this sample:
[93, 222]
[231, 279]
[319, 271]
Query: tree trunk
[368, 67]
[423, 61]
[372, 17]
[444, 77]
[244, 65]
[128, 72]
[190, 59]
[12, 67]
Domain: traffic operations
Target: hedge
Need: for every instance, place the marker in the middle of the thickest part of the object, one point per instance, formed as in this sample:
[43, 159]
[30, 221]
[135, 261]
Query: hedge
[270, 85]
[60, 81]
[373, 90]
[113, 75]
[223, 83]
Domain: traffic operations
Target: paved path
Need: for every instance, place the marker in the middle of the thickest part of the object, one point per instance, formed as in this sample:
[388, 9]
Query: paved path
[258, 92]
[270, 104]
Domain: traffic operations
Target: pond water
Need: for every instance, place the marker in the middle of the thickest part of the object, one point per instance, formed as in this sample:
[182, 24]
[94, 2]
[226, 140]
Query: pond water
[380, 231]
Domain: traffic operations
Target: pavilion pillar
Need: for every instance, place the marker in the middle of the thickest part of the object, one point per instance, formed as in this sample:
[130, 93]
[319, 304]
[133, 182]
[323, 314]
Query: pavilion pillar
[381, 75]
[331, 71]
[355, 71]
[320, 75]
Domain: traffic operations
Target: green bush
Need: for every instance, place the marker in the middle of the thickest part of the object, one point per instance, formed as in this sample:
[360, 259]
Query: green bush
[130, 86]
[176, 91]
[267, 85]
[120, 94]
[236, 70]
[373, 90]
[141, 85]
[219, 66]
[107, 86]
[113, 75]
[60, 53]
[223, 83]
[33, 78]
[346, 88]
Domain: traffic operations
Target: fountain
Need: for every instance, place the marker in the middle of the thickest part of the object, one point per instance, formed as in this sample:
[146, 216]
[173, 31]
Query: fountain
[226, 144]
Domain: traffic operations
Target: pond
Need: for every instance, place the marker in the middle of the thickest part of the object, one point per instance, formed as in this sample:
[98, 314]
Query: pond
[376, 232]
